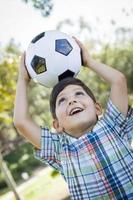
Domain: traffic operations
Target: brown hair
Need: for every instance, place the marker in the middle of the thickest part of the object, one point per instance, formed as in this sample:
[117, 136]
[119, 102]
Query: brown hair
[61, 85]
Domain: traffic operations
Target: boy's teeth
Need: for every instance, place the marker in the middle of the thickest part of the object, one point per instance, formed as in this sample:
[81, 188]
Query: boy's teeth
[75, 110]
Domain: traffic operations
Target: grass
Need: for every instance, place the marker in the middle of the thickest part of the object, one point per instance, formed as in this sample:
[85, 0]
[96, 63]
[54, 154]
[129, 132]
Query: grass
[41, 187]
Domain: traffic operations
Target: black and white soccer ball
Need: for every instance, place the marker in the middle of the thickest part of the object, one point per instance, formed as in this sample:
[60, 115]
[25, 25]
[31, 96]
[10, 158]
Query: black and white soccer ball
[52, 56]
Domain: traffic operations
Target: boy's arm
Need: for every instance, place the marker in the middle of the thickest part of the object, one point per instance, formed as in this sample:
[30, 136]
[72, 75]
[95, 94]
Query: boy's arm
[22, 121]
[117, 82]
[115, 78]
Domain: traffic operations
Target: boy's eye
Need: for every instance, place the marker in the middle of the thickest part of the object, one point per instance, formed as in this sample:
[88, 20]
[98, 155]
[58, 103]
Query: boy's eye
[61, 100]
[79, 93]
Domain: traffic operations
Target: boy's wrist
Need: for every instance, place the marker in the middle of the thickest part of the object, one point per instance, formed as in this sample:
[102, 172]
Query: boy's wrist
[89, 62]
[23, 79]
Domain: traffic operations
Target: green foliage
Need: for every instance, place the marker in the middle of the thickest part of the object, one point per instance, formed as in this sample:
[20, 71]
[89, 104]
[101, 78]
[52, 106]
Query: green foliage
[38, 95]
[8, 76]
[120, 56]
[45, 6]
[39, 104]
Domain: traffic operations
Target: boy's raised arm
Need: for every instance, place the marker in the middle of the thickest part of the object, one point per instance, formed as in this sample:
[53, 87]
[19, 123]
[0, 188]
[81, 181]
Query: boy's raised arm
[117, 81]
[115, 78]
[22, 121]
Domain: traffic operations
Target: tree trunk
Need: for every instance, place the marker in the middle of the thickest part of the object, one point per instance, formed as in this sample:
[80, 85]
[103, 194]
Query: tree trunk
[8, 177]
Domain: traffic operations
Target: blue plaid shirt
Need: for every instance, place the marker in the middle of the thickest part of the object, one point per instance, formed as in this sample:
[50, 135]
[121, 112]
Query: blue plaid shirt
[99, 164]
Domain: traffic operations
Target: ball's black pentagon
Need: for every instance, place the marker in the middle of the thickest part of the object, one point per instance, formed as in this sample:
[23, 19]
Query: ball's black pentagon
[38, 37]
[67, 73]
[63, 46]
[38, 64]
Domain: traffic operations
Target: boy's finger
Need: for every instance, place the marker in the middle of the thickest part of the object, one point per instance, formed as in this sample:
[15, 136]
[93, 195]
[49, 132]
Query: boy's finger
[23, 58]
[79, 43]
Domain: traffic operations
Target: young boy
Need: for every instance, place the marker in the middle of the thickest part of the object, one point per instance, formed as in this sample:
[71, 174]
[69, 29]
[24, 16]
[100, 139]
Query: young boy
[93, 155]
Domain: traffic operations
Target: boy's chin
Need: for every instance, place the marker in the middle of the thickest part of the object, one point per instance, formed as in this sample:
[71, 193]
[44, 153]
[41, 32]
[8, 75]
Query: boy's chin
[80, 129]
[78, 132]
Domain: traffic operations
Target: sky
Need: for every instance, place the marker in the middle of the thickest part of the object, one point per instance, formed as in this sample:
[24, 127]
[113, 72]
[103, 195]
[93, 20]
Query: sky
[22, 22]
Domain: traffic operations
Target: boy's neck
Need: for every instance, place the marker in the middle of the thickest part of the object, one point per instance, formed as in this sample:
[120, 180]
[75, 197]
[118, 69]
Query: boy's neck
[78, 135]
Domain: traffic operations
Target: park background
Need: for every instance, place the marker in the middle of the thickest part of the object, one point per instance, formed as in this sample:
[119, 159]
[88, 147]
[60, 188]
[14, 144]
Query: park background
[105, 27]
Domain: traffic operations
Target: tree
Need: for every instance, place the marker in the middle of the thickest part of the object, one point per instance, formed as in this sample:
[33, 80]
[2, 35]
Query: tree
[9, 178]
[45, 6]
[8, 77]
[38, 95]
[120, 56]
[9, 138]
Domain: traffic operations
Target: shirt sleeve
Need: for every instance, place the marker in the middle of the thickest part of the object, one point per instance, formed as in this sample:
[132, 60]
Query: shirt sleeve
[124, 124]
[50, 149]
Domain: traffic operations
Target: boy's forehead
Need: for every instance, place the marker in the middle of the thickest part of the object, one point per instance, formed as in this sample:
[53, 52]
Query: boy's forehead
[68, 89]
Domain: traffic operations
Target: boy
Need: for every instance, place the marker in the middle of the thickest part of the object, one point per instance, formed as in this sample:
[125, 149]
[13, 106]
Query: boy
[94, 156]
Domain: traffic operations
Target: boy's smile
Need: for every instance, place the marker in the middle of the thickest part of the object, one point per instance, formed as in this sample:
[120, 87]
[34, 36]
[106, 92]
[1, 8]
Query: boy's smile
[75, 110]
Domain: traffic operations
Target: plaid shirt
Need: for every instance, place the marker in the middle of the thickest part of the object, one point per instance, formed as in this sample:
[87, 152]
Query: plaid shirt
[99, 164]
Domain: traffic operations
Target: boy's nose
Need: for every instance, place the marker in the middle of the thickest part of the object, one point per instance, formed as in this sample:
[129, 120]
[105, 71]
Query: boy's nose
[72, 101]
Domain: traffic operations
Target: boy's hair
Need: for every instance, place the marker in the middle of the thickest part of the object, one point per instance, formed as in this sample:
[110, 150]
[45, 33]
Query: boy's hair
[60, 86]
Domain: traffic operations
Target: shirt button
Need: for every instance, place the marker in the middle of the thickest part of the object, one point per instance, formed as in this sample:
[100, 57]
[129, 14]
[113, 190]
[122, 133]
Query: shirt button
[103, 177]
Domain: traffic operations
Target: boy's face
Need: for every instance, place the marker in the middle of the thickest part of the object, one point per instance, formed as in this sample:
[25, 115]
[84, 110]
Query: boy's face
[75, 110]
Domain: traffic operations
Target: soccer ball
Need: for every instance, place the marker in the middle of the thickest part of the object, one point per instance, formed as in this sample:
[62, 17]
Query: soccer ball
[52, 56]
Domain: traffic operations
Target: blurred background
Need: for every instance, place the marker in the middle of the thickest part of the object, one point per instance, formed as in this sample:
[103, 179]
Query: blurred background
[105, 27]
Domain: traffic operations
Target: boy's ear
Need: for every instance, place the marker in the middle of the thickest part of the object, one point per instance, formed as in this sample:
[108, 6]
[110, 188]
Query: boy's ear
[56, 126]
[98, 108]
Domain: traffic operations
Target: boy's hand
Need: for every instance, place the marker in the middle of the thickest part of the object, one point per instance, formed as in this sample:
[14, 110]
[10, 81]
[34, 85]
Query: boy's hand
[23, 73]
[86, 58]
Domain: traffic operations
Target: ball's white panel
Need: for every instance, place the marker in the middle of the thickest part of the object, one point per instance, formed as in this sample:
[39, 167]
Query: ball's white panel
[47, 79]
[56, 63]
